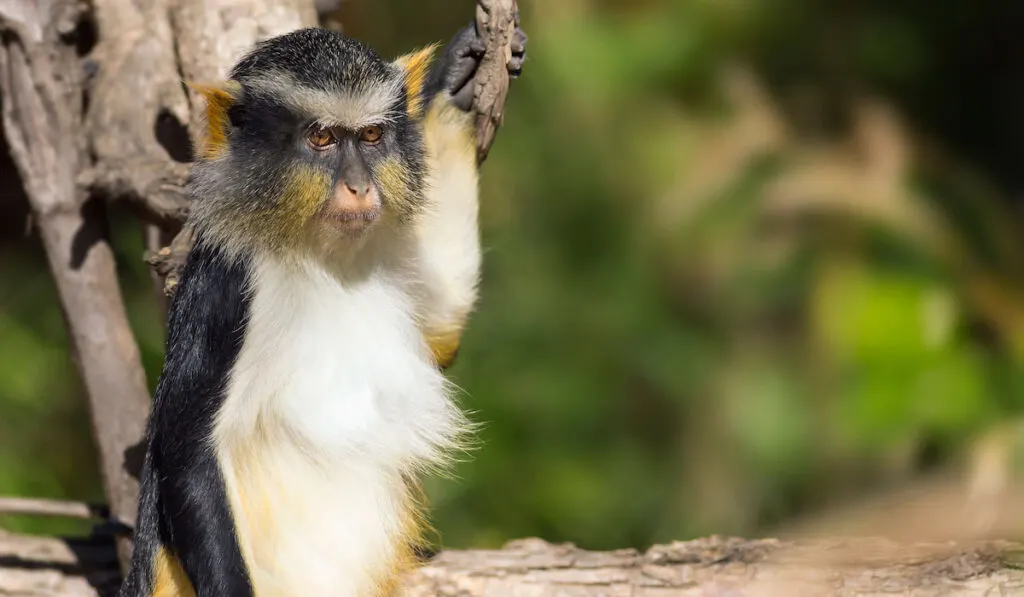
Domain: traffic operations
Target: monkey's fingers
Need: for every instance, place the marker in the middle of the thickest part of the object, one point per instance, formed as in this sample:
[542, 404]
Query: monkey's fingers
[518, 47]
[464, 54]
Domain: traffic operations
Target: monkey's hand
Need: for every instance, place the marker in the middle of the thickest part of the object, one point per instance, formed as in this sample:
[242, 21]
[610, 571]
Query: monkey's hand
[457, 70]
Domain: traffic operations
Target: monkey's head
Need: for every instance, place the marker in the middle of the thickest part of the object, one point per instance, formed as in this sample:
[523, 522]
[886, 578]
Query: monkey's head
[313, 138]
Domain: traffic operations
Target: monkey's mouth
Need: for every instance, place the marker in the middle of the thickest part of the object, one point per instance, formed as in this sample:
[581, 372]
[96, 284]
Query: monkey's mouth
[353, 221]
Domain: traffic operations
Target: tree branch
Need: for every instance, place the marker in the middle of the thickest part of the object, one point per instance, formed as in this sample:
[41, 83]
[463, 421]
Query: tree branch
[47, 567]
[45, 507]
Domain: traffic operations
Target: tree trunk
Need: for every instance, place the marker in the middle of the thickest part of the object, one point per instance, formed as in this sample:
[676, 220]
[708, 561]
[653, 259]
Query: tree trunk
[40, 80]
[46, 567]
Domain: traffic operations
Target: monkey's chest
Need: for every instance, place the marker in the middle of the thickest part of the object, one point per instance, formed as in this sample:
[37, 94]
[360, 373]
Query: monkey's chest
[330, 403]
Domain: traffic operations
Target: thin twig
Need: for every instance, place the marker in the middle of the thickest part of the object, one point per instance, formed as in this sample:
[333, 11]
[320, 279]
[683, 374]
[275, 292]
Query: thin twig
[169, 261]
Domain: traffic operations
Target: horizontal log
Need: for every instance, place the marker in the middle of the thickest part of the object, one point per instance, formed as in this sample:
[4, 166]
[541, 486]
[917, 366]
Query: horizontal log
[51, 567]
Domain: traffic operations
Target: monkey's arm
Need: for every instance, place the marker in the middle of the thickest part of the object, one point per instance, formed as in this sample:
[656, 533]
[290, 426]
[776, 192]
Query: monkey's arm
[185, 541]
[448, 233]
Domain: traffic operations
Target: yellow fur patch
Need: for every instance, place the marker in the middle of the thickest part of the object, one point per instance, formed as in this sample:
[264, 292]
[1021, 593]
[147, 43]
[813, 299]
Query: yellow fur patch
[260, 523]
[285, 224]
[444, 345]
[256, 509]
[219, 97]
[395, 184]
[305, 193]
[450, 133]
[169, 578]
[411, 537]
[416, 65]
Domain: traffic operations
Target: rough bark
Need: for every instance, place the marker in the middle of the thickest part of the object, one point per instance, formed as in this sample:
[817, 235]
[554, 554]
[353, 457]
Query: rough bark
[47, 567]
[40, 79]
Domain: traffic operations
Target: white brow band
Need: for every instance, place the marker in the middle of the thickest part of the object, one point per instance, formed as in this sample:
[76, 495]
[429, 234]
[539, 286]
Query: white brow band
[352, 109]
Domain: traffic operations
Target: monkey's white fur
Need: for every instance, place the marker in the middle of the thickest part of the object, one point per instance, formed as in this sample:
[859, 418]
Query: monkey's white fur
[336, 396]
[349, 108]
[449, 243]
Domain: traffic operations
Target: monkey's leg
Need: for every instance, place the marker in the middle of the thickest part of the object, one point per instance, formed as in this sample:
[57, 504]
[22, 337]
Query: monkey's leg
[448, 232]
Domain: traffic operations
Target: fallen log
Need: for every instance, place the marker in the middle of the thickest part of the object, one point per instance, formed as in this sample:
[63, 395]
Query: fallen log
[50, 567]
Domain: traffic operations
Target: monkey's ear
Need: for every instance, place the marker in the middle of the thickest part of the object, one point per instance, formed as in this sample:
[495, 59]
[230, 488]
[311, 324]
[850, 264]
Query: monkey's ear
[219, 96]
[415, 67]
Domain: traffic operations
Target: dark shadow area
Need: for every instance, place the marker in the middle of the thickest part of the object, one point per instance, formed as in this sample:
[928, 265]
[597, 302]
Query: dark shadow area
[134, 457]
[14, 206]
[93, 231]
[85, 35]
[173, 137]
[95, 561]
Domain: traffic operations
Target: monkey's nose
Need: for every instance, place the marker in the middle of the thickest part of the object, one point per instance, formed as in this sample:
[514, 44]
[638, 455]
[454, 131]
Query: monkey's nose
[358, 190]
[354, 197]
[354, 206]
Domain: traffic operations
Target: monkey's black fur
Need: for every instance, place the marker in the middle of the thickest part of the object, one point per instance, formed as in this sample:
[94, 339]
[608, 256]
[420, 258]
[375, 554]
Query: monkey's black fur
[317, 58]
[183, 505]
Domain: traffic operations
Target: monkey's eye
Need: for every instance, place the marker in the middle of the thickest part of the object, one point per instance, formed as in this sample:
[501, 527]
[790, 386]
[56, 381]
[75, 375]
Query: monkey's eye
[371, 134]
[320, 138]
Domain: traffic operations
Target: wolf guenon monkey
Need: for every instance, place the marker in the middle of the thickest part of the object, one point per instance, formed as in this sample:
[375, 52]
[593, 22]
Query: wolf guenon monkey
[335, 263]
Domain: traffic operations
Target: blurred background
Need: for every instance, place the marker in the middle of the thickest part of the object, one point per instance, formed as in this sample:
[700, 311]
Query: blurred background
[752, 267]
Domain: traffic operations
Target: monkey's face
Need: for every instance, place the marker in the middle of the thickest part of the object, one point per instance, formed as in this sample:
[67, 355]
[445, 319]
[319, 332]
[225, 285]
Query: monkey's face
[319, 138]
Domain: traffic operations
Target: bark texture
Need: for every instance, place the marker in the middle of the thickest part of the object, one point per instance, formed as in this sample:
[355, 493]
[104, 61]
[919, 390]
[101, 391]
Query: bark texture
[47, 567]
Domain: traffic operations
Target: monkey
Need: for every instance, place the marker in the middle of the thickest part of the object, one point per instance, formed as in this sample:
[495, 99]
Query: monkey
[334, 265]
